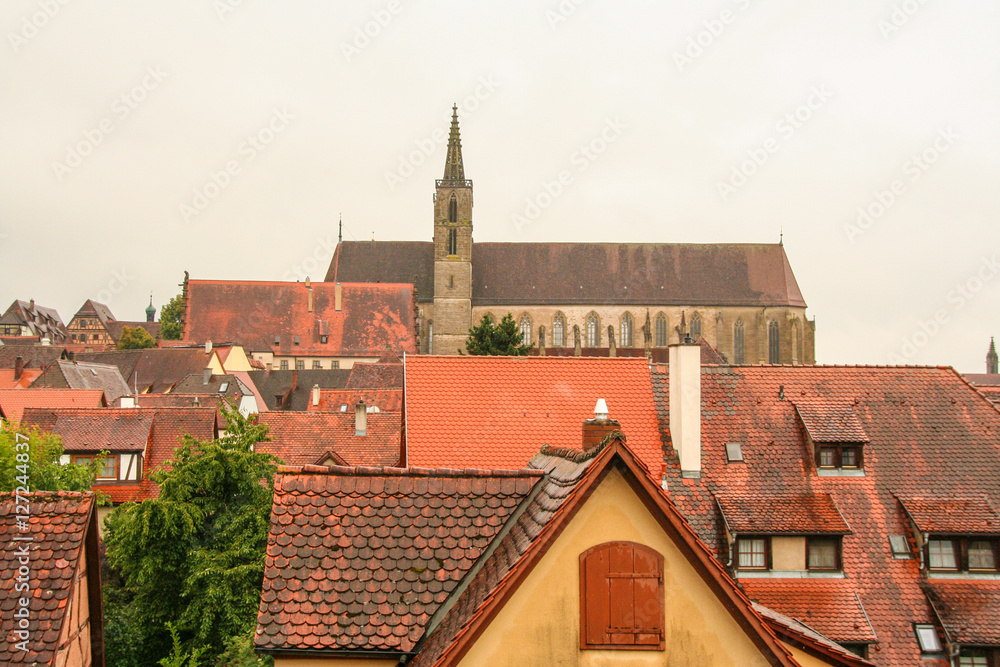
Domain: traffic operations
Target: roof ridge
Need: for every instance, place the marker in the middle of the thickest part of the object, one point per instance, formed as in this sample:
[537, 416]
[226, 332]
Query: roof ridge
[582, 455]
[393, 471]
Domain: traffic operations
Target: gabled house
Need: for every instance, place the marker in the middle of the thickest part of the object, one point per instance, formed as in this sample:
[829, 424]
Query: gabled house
[94, 327]
[158, 370]
[138, 441]
[859, 501]
[26, 321]
[50, 584]
[302, 326]
[236, 390]
[577, 559]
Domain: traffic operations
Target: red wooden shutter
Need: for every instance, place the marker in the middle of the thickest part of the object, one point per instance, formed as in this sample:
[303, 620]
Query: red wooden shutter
[621, 601]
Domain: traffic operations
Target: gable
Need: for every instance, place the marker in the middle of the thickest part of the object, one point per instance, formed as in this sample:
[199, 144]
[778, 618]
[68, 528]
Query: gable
[540, 623]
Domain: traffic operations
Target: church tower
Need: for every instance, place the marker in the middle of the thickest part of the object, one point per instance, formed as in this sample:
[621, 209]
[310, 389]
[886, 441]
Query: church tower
[452, 315]
[991, 359]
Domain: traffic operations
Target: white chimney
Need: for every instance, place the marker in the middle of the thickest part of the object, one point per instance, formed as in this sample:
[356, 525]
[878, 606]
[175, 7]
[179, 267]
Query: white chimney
[208, 347]
[685, 406]
[338, 296]
[361, 419]
[601, 410]
[315, 395]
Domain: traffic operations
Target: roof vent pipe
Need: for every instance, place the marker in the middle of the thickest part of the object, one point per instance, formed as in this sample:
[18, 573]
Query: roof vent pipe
[601, 410]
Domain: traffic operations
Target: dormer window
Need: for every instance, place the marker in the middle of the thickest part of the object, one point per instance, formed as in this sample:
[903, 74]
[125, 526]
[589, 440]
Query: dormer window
[844, 456]
[962, 554]
[836, 437]
[823, 553]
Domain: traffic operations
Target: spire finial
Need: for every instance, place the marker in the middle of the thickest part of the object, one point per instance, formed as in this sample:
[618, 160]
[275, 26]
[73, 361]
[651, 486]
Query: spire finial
[991, 358]
[781, 236]
[454, 170]
[340, 229]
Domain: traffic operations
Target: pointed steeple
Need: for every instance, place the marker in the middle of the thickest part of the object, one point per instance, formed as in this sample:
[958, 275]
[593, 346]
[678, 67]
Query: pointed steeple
[454, 170]
[991, 358]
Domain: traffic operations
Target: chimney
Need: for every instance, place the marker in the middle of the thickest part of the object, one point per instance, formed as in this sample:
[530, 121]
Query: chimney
[18, 368]
[31, 306]
[46, 340]
[596, 429]
[208, 347]
[685, 405]
[361, 419]
[338, 297]
[206, 376]
[309, 294]
[315, 395]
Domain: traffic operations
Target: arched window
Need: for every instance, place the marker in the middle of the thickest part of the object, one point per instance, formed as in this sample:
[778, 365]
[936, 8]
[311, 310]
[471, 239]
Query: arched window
[525, 330]
[621, 597]
[695, 326]
[661, 330]
[625, 332]
[559, 330]
[453, 209]
[773, 343]
[593, 330]
[739, 345]
[452, 241]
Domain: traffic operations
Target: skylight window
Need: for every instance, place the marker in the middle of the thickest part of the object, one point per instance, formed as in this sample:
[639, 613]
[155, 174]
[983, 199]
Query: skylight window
[927, 637]
[900, 547]
[224, 387]
[734, 452]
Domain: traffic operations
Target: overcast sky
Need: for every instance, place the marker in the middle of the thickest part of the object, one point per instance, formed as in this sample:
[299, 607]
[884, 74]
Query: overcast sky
[141, 139]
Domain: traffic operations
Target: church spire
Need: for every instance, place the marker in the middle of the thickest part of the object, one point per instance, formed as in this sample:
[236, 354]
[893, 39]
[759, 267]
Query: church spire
[991, 358]
[453, 168]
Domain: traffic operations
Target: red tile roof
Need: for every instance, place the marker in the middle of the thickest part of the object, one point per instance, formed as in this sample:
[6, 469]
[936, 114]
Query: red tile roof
[929, 432]
[968, 610]
[829, 606]
[948, 514]
[498, 411]
[121, 429]
[14, 401]
[798, 514]
[303, 438]
[829, 423]
[372, 317]
[799, 634]
[360, 559]
[28, 376]
[333, 400]
[57, 525]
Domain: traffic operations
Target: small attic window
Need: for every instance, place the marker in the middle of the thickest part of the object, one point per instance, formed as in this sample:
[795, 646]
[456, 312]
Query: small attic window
[323, 338]
[927, 637]
[296, 340]
[734, 452]
[899, 546]
[277, 339]
[224, 387]
[343, 407]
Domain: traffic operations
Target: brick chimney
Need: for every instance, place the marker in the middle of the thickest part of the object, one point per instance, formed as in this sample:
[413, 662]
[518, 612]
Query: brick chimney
[18, 368]
[685, 405]
[596, 429]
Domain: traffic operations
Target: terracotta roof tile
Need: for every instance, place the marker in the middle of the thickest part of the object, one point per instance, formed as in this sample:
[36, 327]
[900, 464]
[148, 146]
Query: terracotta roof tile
[930, 433]
[372, 316]
[952, 514]
[14, 401]
[830, 423]
[57, 526]
[361, 558]
[968, 610]
[497, 412]
[799, 514]
[302, 438]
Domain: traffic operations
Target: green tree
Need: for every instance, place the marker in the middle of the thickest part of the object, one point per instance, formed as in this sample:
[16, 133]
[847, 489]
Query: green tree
[135, 338]
[30, 458]
[487, 338]
[172, 319]
[194, 556]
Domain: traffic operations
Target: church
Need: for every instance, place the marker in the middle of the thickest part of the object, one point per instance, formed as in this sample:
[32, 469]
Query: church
[593, 299]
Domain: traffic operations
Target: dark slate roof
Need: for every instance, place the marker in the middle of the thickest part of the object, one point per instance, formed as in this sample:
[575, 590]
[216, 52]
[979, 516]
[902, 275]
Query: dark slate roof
[195, 384]
[665, 274]
[84, 375]
[155, 369]
[361, 558]
[34, 355]
[385, 262]
[58, 523]
[91, 308]
[296, 385]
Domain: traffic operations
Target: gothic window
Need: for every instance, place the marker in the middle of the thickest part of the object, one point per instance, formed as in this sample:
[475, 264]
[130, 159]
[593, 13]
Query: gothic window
[559, 330]
[452, 241]
[525, 330]
[621, 597]
[695, 326]
[773, 346]
[739, 343]
[430, 336]
[453, 209]
[626, 330]
[593, 330]
[661, 330]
